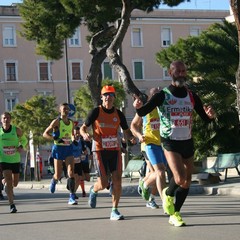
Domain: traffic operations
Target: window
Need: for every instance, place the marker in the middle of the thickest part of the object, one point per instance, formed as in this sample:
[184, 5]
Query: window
[76, 70]
[107, 71]
[11, 71]
[166, 36]
[138, 69]
[166, 76]
[44, 92]
[44, 71]
[195, 31]
[9, 36]
[136, 37]
[10, 104]
[75, 40]
[11, 99]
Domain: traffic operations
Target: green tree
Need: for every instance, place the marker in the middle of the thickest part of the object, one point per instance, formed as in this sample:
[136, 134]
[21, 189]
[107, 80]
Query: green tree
[235, 6]
[205, 55]
[214, 73]
[34, 116]
[82, 98]
[49, 23]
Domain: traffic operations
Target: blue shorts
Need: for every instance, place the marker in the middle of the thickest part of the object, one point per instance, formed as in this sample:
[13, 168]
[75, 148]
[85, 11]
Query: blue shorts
[155, 154]
[62, 152]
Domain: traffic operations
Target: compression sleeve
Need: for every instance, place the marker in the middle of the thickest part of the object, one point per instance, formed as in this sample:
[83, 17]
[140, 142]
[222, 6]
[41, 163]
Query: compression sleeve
[156, 100]
[92, 116]
[123, 120]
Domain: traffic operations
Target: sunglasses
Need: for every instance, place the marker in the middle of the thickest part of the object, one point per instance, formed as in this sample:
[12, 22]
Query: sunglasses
[109, 94]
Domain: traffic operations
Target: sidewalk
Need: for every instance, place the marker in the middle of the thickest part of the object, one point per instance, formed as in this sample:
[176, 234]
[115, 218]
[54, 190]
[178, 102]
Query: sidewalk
[230, 187]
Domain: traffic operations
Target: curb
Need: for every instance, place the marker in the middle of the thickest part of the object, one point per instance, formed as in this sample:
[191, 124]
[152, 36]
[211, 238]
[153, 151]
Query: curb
[132, 189]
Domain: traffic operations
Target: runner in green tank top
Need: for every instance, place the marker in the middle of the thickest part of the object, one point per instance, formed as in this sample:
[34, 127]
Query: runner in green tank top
[60, 131]
[12, 141]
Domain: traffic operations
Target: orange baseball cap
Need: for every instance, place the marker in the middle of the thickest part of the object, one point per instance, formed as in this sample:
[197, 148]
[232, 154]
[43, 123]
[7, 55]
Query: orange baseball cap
[108, 89]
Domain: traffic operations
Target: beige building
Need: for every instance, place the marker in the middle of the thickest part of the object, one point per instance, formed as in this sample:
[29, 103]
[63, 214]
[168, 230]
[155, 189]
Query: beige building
[24, 74]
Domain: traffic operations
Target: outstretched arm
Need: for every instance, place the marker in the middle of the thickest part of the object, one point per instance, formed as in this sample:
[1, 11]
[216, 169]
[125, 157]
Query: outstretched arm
[136, 128]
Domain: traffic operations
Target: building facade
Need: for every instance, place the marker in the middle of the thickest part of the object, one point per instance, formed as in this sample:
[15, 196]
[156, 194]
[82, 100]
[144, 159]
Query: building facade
[24, 74]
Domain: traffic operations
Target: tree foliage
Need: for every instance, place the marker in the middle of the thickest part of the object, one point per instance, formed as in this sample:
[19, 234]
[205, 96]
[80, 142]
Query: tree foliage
[235, 7]
[35, 115]
[49, 23]
[206, 57]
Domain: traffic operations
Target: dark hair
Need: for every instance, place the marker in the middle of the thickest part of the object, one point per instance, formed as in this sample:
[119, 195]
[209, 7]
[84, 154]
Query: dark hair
[64, 104]
[6, 113]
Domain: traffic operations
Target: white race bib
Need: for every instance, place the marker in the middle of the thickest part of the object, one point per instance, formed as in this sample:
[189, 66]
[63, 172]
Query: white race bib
[109, 141]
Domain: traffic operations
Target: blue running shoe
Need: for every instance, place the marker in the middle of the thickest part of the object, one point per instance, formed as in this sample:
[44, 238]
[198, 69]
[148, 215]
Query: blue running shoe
[92, 200]
[116, 215]
[152, 204]
[52, 186]
[72, 200]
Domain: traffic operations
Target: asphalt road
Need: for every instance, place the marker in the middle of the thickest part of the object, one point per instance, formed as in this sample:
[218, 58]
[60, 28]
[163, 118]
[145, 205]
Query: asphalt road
[42, 215]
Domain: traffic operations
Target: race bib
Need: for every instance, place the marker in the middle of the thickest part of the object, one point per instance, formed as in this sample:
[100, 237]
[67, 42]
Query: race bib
[109, 141]
[11, 150]
[77, 160]
[181, 123]
[155, 124]
[67, 141]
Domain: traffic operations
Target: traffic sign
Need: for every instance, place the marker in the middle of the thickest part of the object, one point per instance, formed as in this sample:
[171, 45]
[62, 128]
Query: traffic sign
[72, 110]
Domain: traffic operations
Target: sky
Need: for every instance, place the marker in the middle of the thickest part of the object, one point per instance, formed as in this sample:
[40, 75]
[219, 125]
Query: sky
[194, 4]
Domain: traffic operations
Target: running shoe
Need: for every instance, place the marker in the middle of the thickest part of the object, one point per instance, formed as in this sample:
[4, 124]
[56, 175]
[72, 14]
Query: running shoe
[52, 186]
[75, 196]
[5, 188]
[168, 205]
[1, 196]
[108, 186]
[139, 190]
[92, 199]
[145, 191]
[72, 200]
[116, 215]
[84, 194]
[13, 208]
[176, 220]
[152, 204]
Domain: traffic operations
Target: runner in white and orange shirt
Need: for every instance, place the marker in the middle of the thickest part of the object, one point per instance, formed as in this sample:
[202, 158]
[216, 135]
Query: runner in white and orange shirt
[106, 145]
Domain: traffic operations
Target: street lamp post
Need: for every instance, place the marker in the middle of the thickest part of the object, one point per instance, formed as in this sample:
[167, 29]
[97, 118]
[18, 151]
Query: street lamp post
[67, 72]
